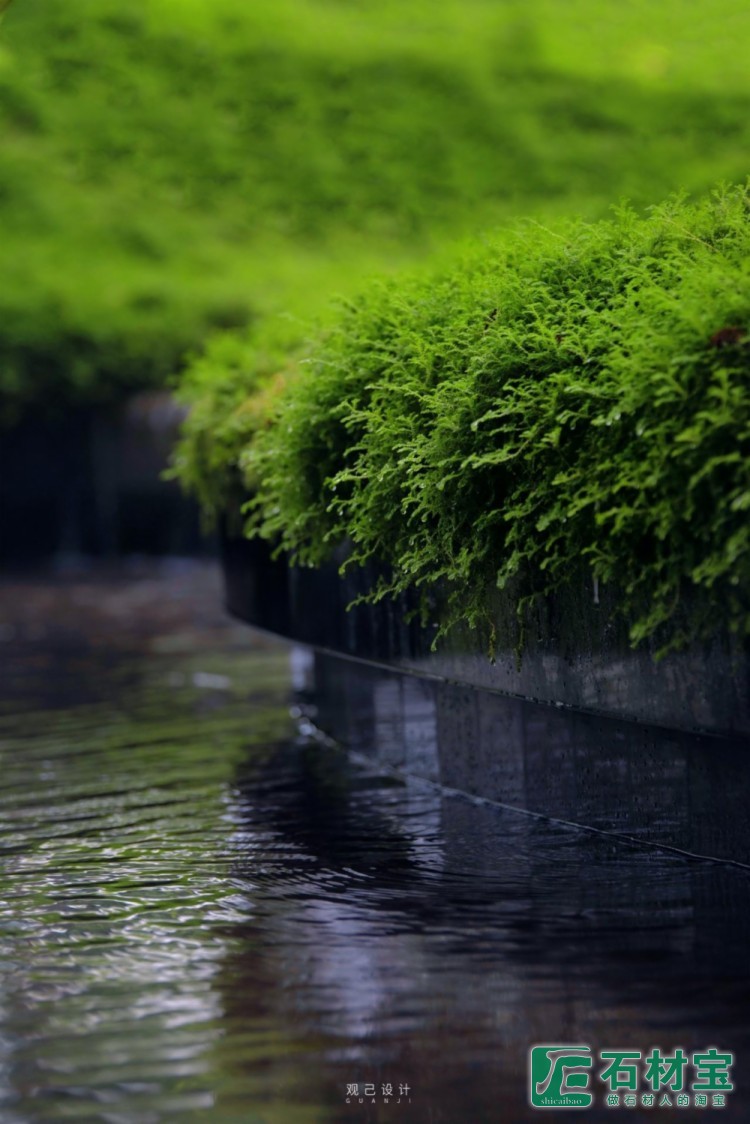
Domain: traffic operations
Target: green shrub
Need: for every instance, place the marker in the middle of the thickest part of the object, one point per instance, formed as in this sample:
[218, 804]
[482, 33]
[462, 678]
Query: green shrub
[179, 167]
[230, 387]
[561, 395]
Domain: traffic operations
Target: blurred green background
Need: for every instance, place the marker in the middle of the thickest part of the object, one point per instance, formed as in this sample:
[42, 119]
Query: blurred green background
[182, 166]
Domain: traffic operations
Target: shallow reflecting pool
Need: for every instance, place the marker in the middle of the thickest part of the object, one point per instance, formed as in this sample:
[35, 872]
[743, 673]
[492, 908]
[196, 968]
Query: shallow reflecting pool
[209, 912]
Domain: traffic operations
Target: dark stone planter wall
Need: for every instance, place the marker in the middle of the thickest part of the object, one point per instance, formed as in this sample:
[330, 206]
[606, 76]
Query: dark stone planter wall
[643, 784]
[89, 483]
[576, 654]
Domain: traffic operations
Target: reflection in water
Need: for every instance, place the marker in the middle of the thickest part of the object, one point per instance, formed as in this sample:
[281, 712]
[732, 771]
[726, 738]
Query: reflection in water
[434, 937]
[209, 912]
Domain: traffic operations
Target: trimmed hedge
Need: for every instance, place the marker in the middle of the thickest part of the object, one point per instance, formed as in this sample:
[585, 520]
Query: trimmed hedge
[568, 395]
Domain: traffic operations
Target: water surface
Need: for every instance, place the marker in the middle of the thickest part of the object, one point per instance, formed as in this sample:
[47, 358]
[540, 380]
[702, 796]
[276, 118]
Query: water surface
[211, 913]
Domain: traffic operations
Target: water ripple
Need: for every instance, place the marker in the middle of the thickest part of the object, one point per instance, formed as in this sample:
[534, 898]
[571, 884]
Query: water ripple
[209, 913]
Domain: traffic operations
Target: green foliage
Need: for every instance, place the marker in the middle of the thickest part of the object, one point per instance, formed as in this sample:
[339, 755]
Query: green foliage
[230, 387]
[182, 166]
[561, 395]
